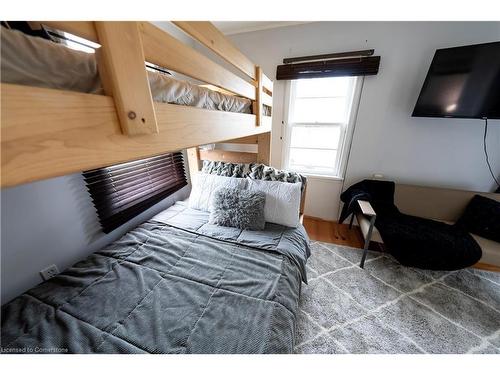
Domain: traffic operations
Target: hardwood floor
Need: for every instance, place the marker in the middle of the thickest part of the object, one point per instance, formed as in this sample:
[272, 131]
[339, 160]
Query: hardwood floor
[332, 232]
[487, 267]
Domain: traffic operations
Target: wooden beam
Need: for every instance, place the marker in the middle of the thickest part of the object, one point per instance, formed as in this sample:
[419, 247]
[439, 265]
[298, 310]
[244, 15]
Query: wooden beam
[264, 148]
[258, 96]
[124, 69]
[228, 156]
[266, 99]
[245, 140]
[194, 162]
[164, 50]
[267, 122]
[47, 133]
[208, 35]
[267, 83]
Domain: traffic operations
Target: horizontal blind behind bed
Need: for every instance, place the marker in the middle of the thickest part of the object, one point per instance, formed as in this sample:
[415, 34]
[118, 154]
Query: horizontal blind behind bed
[122, 191]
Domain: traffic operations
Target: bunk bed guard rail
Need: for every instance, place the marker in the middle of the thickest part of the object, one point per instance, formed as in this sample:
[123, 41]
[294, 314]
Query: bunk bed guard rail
[48, 133]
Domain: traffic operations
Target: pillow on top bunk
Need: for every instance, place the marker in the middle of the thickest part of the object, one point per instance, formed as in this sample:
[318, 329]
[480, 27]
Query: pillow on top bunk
[282, 201]
[204, 186]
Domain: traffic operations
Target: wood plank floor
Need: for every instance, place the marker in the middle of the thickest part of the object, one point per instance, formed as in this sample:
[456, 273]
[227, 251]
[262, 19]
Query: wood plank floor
[340, 234]
[332, 232]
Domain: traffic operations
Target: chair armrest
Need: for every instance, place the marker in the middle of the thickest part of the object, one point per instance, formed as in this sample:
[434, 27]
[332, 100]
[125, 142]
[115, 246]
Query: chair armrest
[366, 208]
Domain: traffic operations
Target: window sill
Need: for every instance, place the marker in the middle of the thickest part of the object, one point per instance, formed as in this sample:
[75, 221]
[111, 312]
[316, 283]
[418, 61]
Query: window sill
[322, 177]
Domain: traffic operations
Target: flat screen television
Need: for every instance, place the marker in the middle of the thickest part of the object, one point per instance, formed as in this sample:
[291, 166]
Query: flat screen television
[462, 82]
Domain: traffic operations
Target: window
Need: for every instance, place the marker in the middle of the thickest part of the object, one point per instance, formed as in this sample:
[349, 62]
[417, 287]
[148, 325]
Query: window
[321, 112]
[120, 192]
[79, 44]
[72, 41]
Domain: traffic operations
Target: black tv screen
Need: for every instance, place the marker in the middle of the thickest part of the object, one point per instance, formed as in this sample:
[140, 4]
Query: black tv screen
[462, 82]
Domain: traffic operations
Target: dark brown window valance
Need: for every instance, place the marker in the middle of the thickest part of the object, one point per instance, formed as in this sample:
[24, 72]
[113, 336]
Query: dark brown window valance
[121, 192]
[355, 66]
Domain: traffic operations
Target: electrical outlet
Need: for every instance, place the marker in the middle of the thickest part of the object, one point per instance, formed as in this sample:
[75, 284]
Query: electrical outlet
[49, 272]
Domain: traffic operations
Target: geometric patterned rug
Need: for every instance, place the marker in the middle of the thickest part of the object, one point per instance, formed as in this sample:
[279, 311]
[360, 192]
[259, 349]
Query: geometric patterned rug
[389, 308]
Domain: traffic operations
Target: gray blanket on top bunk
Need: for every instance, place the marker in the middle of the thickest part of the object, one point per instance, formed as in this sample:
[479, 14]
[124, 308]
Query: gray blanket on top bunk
[175, 284]
[32, 61]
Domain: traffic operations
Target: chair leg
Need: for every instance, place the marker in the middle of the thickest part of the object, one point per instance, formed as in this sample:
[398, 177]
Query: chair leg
[352, 219]
[367, 242]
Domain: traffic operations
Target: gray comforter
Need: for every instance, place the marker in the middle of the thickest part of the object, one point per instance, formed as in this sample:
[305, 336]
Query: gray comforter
[175, 284]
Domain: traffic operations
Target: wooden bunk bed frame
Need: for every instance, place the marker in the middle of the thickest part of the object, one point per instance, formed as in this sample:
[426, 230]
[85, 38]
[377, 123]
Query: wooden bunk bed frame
[48, 133]
[263, 141]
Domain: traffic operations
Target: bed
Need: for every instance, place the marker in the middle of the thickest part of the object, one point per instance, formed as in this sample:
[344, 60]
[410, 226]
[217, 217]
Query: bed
[33, 61]
[175, 284]
[54, 126]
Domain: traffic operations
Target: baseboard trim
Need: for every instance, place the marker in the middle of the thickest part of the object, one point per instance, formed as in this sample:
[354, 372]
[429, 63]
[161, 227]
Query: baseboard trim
[486, 267]
[319, 219]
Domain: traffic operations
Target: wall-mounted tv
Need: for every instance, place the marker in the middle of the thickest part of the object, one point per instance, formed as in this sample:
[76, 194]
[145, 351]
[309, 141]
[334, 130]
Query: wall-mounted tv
[462, 82]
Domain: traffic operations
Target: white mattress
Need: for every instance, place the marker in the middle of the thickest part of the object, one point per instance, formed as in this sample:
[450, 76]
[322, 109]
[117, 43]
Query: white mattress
[34, 61]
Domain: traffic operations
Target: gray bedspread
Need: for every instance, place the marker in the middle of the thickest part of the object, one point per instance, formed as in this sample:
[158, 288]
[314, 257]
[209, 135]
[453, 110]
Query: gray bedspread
[175, 284]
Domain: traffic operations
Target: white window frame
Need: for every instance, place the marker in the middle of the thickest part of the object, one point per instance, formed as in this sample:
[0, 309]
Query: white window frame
[346, 129]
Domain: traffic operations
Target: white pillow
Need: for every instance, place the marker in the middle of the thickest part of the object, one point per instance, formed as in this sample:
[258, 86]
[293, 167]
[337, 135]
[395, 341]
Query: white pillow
[204, 186]
[282, 201]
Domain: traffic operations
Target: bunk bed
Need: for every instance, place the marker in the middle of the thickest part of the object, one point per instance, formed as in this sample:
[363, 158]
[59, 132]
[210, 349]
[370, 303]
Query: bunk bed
[48, 132]
[175, 284]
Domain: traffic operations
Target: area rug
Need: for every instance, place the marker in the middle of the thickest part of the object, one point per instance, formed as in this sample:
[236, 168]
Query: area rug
[389, 308]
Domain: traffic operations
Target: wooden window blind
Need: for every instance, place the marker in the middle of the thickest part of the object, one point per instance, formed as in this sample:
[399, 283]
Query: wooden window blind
[121, 192]
[342, 67]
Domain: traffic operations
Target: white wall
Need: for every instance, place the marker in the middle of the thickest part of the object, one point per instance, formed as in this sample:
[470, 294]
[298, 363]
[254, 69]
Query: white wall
[387, 140]
[53, 222]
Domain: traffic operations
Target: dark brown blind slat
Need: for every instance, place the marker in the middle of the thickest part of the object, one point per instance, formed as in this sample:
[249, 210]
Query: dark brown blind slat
[326, 56]
[122, 191]
[358, 66]
[132, 188]
[115, 202]
[107, 183]
[96, 174]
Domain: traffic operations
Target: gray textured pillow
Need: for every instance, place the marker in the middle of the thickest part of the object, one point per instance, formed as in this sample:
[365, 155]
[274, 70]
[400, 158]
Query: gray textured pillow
[232, 207]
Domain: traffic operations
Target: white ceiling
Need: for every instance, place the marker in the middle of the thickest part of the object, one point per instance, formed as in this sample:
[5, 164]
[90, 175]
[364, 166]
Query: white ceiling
[236, 27]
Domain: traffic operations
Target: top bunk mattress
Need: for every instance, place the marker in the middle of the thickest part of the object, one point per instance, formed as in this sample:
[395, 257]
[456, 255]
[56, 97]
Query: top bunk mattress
[33, 61]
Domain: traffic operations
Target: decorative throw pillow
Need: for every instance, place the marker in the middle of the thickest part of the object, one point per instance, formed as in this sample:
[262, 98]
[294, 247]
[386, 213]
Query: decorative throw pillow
[482, 217]
[204, 186]
[221, 168]
[282, 201]
[264, 172]
[255, 171]
[233, 207]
